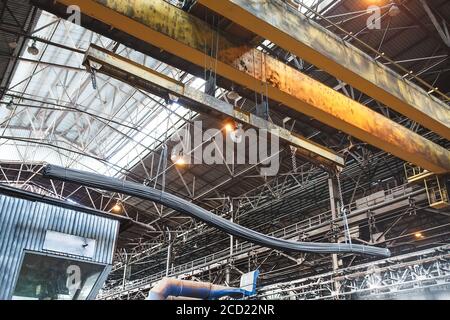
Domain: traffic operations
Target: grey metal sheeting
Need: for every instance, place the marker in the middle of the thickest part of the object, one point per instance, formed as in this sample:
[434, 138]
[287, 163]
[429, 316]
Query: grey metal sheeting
[23, 225]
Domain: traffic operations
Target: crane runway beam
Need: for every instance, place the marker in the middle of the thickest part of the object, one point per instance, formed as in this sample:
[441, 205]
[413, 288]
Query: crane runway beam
[154, 82]
[294, 32]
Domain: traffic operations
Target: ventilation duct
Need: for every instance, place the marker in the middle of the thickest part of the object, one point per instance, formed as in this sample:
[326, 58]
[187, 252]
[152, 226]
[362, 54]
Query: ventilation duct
[168, 287]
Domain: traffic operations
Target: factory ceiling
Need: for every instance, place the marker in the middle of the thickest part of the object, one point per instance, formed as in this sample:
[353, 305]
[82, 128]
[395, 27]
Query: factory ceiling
[54, 110]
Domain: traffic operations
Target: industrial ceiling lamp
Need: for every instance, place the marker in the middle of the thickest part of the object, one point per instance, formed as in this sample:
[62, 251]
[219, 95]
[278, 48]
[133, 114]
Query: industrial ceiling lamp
[10, 106]
[233, 95]
[33, 50]
[394, 10]
[237, 133]
[117, 208]
[419, 235]
[178, 159]
[233, 130]
[229, 127]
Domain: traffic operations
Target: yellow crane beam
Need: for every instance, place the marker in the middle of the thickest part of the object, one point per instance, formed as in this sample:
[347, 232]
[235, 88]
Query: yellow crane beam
[294, 32]
[177, 32]
[154, 82]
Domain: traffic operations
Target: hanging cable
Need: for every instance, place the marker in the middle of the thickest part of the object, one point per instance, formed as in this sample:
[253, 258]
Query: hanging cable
[185, 207]
[294, 159]
[343, 210]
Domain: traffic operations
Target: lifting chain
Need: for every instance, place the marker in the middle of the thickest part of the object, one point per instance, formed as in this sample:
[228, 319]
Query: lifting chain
[372, 224]
[94, 78]
[294, 158]
[412, 206]
[371, 219]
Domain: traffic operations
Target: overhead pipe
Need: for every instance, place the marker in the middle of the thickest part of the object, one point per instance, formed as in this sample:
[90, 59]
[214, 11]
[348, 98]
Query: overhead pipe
[169, 287]
[183, 206]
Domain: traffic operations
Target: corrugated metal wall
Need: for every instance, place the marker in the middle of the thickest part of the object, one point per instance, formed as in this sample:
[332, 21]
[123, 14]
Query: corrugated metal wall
[23, 225]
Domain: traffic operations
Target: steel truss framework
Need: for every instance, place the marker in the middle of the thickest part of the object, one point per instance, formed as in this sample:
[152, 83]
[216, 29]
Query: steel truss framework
[283, 186]
[401, 197]
[265, 205]
[419, 274]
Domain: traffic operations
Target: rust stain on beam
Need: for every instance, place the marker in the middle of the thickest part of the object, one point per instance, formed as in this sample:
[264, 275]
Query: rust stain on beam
[179, 33]
[154, 82]
[281, 24]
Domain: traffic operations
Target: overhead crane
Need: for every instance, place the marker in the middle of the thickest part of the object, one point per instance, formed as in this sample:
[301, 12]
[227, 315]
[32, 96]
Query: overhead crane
[282, 24]
[178, 34]
[147, 79]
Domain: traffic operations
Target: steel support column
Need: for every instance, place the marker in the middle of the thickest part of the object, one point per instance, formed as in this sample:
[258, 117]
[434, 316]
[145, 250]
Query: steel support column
[334, 205]
[169, 254]
[283, 25]
[125, 271]
[230, 260]
[160, 24]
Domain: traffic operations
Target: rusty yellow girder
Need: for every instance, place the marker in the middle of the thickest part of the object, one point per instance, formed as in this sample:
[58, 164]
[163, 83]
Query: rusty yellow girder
[160, 24]
[154, 82]
[281, 24]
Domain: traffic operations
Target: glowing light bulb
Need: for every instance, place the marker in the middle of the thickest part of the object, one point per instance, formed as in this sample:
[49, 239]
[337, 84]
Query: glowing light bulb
[418, 235]
[180, 161]
[229, 127]
[117, 208]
